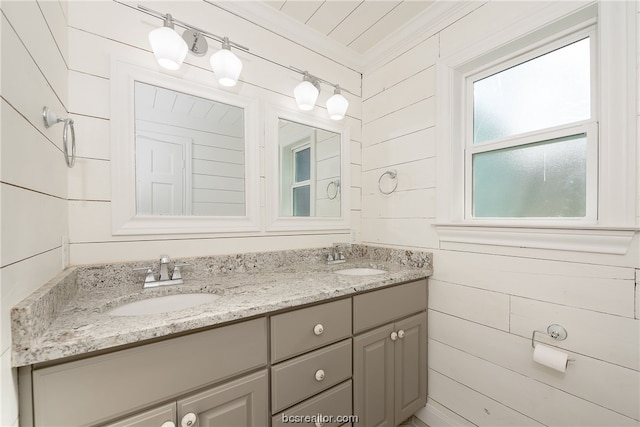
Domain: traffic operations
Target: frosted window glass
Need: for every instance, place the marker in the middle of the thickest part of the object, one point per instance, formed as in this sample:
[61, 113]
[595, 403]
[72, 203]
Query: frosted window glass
[546, 179]
[550, 90]
[302, 201]
[303, 165]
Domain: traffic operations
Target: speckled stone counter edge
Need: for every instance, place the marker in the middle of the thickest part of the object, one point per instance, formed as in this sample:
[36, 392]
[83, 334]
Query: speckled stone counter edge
[31, 318]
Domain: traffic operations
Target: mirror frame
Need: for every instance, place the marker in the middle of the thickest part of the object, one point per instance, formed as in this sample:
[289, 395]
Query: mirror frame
[125, 220]
[275, 222]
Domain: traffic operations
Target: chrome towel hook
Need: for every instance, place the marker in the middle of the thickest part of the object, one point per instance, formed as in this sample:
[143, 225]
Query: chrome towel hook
[50, 119]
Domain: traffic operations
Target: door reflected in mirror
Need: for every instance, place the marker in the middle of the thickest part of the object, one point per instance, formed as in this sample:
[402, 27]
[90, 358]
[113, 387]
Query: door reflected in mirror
[189, 154]
[309, 164]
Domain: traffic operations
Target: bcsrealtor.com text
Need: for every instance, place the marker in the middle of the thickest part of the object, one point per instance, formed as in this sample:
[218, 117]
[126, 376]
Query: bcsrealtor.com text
[319, 419]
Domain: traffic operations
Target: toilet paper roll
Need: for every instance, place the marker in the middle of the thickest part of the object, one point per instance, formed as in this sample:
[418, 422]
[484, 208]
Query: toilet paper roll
[550, 357]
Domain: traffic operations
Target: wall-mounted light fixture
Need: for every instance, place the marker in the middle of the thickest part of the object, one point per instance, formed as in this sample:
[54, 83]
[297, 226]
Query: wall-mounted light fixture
[337, 105]
[306, 94]
[170, 48]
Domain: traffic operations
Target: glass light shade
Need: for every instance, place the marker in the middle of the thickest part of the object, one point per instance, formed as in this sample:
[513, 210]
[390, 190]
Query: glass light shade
[168, 47]
[306, 95]
[337, 106]
[226, 66]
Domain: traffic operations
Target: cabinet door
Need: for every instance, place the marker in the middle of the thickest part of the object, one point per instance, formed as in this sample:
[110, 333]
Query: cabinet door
[373, 377]
[239, 403]
[163, 416]
[410, 366]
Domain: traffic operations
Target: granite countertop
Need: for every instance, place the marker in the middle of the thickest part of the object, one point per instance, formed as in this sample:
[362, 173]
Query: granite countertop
[68, 316]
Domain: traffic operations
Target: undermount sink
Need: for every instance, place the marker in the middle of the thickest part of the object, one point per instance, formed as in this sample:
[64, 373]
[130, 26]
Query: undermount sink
[163, 304]
[360, 271]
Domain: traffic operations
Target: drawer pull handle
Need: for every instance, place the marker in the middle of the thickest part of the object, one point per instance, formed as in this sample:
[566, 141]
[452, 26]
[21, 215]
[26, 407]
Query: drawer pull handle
[189, 419]
[168, 424]
[394, 336]
[400, 334]
[318, 329]
[319, 375]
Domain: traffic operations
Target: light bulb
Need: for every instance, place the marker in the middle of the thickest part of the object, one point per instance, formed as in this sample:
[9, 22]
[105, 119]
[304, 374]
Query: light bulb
[168, 47]
[337, 105]
[226, 67]
[306, 94]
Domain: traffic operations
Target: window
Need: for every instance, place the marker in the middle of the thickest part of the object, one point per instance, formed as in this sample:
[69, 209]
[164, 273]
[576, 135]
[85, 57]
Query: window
[537, 149]
[531, 135]
[301, 186]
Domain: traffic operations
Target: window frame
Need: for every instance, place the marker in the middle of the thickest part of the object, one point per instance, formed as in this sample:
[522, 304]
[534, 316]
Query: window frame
[613, 228]
[589, 127]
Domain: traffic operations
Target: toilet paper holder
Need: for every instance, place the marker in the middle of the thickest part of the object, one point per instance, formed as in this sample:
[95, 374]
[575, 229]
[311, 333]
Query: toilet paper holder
[555, 331]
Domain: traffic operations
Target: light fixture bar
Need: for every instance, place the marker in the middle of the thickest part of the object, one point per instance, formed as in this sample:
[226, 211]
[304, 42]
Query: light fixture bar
[319, 80]
[193, 28]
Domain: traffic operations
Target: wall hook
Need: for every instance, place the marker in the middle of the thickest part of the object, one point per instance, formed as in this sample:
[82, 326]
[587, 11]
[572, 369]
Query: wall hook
[50, 118]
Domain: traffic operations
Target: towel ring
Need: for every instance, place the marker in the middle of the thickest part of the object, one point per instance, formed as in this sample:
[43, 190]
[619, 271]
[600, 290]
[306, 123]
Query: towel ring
[336, 185]
[50, 119]
[393, 174]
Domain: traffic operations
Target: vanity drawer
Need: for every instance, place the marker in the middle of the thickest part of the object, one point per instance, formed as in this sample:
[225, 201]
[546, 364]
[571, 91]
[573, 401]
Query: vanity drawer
[309, 328]
[334, 403]
[107, 386]
[296, 379]
[386, 305]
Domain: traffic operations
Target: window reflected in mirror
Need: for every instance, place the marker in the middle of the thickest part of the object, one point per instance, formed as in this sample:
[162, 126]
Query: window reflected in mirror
[309, 170]
[189, 154]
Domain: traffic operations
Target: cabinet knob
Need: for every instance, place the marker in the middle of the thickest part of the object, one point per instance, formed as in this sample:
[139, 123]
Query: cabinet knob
[400, 334]
[318, 329]
[319, 375]
[394, 336]
[168, 424]
[189, 419]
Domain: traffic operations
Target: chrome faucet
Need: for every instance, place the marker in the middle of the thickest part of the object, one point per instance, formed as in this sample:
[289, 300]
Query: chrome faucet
[164, 268]
[165, 278]
[336, 256]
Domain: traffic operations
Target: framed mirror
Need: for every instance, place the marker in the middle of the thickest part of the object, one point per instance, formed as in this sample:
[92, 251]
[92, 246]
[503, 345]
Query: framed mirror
[184, 155]
[308, 174]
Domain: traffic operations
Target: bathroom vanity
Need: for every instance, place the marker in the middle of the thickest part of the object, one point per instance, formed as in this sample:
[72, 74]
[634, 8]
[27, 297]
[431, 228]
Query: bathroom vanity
[294, 344]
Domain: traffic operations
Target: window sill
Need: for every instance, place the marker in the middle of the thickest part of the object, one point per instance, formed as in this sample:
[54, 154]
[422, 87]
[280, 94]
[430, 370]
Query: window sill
[602, 240]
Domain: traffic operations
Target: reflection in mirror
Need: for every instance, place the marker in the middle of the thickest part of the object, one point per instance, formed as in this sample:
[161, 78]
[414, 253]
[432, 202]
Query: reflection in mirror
[190, 154]
[309, 171]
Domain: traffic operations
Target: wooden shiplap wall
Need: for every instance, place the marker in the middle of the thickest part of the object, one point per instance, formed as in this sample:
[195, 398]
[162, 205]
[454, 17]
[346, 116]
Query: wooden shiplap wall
[484, 302]
[33, 174]
[99, 31]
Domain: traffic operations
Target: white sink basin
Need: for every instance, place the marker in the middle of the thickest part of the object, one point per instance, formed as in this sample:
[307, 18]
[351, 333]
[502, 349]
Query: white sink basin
[361, 271]
[162, 304]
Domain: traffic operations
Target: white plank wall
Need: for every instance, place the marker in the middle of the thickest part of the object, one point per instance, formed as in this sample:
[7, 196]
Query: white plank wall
[33, 175]
[484, 302]
[99, 31]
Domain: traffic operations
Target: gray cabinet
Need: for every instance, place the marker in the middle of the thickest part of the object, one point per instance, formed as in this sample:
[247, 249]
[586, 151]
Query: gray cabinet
[162, 416]
[362, 355]
[239, 403]
[311, 383]
[101, 388]
[390, 361]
